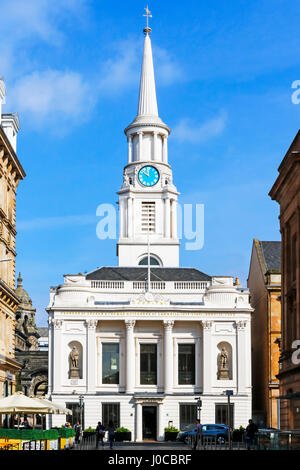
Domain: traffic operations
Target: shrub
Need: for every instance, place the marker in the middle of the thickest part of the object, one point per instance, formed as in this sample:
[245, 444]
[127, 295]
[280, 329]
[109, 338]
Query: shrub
[171, 429]
[122, 429]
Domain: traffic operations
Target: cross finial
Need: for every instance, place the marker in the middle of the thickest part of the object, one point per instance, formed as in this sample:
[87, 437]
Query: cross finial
[148, 15]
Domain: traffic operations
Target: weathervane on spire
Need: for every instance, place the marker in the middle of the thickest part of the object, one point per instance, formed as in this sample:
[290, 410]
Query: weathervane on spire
[148, 15]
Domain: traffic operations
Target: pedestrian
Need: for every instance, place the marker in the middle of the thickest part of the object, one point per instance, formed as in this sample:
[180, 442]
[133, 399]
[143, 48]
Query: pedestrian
[111, 433]
[198, 433]
[100, 433]
[251, 429]
[77, 429]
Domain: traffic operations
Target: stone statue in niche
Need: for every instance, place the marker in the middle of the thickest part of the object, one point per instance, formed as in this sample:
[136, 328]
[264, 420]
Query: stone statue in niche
[74, 363]
[223, 367]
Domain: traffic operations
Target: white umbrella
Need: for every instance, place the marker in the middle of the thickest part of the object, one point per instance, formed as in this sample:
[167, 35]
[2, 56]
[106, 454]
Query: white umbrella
[20, 403]
[55, 407]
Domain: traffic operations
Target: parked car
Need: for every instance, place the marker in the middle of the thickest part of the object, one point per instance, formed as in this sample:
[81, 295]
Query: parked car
[220, 431]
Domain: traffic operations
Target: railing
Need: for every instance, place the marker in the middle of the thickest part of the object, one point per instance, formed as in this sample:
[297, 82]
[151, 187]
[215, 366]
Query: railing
[215, 443]
[154, 285]
[196, 285]
[107, 284]
[278, 440]
[86, 442]
[142, 285]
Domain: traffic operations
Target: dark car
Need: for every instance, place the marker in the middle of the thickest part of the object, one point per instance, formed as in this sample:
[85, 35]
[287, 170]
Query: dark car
[219, 431]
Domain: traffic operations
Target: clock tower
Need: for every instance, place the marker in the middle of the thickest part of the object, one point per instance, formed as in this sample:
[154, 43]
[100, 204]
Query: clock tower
[148, 197]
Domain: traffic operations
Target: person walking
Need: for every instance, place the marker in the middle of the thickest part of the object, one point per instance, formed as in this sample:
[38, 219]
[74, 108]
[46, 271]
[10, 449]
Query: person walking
[77, 429]
[251, 429]
[111, 433]
[100, 433]
[198, 433]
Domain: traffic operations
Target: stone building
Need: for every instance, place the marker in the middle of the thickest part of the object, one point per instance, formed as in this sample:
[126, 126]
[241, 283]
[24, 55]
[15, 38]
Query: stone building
[30, 352]
[264, 283]
[286, 191]
[11, 172]
[139, 342]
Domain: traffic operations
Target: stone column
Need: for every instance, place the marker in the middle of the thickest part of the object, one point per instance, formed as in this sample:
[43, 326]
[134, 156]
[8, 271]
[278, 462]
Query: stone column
[155, 152]
[165, 149]
[174, 218]
[161, 426]
[207, 356]
[121, 218]
[167, 217]
[130, 356]
[50, 355]
[139, 424]
[57, 354]
[129, 140]
[91, 355]
[140, 152]
[129, 217]
[168, 355]
[198, 365]
[242, 357]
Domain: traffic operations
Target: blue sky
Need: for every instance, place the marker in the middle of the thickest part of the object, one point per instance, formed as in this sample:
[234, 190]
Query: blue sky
[223, 73]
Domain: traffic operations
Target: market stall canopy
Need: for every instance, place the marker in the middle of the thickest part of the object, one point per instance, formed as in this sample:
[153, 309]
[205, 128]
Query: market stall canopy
[55, 407]
[20, 403]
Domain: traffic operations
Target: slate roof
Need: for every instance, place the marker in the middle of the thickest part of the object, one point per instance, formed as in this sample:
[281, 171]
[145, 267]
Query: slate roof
[272, 255]
[141, 273]
[43, 332]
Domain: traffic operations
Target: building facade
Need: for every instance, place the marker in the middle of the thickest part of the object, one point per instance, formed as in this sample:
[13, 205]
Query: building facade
[31, 347]
[264, 283]
[141, 341]
[286, 191]
[11, 172]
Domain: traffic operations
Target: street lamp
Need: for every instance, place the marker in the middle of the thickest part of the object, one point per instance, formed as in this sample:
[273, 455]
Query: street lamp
[81, 402]
[199, 406]
[229, 393]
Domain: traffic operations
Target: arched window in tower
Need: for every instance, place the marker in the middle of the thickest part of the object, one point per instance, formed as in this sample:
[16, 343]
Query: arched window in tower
[153, 261]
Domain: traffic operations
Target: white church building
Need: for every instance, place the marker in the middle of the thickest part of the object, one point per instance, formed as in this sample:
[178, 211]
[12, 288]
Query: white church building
[149, 342]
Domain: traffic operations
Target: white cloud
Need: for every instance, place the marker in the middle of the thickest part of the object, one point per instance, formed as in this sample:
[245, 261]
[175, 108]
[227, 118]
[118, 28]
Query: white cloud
[51, 92]
[189, 131]
[124, 69]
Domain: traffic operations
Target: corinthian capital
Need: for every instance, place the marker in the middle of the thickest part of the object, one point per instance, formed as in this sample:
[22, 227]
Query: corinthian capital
[207, 325]
[129, 324]
[57, 323]
[168, 324]
[91, 324]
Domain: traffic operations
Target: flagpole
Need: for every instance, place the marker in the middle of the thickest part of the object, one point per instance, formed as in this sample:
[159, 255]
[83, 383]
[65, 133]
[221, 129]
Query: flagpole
[148, 242]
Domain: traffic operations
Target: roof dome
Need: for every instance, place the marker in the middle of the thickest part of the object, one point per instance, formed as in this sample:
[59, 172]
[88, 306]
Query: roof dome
[21, 292]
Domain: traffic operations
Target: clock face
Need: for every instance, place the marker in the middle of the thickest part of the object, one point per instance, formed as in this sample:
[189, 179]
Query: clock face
[148, 175]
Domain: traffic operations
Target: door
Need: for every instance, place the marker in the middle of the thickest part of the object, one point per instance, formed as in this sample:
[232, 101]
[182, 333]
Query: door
[149, 422]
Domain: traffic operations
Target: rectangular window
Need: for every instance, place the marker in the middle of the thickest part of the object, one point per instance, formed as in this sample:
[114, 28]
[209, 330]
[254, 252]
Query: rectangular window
[186, 364]
[148, 364]
[222, 414]
[188, 414]
[110, 363]
[148, 216]
[111, 412]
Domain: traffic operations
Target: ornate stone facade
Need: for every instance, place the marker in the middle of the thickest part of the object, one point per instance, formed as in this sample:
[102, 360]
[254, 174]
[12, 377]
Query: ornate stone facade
[11, 173]
[286, 191]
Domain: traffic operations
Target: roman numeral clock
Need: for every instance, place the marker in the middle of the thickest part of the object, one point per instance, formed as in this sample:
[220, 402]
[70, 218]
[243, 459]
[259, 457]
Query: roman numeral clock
[148, 175]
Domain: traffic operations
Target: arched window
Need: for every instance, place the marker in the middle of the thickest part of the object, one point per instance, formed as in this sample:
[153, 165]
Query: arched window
[153, 261]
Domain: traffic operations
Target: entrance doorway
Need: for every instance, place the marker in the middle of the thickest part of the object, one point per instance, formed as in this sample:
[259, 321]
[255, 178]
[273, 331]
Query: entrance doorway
[149, 422]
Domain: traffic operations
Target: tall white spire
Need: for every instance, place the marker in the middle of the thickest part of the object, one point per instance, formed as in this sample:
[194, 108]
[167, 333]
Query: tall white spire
[147, 98]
